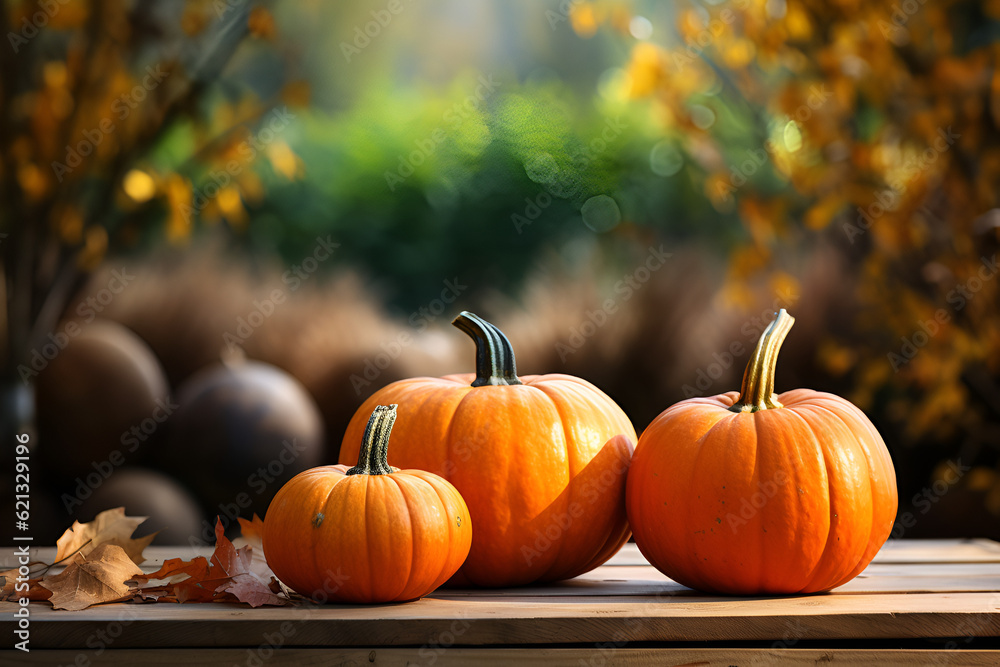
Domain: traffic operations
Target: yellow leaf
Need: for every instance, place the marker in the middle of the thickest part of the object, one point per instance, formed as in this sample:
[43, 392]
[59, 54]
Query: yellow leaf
[108, 527]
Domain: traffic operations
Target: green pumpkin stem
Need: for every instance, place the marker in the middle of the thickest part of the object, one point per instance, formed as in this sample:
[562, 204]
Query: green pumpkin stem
[494, 355]
[375, 444]
[757, 392]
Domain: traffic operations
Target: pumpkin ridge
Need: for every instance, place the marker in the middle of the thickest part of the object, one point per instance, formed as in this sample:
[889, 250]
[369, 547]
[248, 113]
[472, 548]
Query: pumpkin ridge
[370, 506]
[444, 505]
[810, 576]
[336, 497]
[590, 394]
[411, 534]
[570, 447]
[314, 539]
[811, 580]
[470, 395]
[871, 490]
[693, 567]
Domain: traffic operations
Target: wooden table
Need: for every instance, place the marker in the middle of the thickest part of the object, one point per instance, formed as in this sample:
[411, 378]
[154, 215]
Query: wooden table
[919, 602]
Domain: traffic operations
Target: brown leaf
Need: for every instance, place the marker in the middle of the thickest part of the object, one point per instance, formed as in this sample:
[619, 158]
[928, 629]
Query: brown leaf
[9, 583]
[95, 579]
[108, 527]
[231, 560]
[248, 588]
[237, 564]
[195, 569]
[252, 533]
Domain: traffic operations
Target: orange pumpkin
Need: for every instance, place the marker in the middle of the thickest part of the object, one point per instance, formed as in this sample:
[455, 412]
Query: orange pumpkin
[751, 493]
[370, 533]
[540, 460]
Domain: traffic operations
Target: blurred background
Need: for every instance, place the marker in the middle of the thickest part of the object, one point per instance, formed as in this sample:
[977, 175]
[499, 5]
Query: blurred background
[224, 224]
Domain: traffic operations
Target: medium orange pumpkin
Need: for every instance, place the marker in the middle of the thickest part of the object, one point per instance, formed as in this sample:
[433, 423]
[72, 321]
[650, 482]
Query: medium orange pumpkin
[751, 493]
[370, 533]
[540, 460]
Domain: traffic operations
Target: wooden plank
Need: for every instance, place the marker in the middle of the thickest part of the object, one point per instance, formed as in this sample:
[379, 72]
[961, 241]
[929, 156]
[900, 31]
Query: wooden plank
[939, 551]
[644, 579]
[510, 620]
[894, 551]
[542, 657]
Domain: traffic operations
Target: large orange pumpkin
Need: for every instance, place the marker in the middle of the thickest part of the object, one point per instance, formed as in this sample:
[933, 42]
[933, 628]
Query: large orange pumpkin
[540, 460]
[370, 533]
[751, 493]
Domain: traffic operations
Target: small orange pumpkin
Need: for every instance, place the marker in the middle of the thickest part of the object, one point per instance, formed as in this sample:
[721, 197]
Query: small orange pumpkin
[370, 533]
[751, 493]
[541, 460]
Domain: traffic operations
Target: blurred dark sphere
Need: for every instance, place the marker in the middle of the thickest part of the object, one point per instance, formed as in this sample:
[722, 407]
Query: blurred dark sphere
[242, 429]
[170, 507]
[98, 402]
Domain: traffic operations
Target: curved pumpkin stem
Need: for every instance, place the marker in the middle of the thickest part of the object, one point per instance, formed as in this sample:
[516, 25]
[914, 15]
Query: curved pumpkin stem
[375, 444]
[494, 355]
[757, 392]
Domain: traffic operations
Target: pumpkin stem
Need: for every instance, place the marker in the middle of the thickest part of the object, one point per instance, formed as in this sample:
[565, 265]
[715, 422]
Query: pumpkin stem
[757, 392]
[494, 355]
[375, 444]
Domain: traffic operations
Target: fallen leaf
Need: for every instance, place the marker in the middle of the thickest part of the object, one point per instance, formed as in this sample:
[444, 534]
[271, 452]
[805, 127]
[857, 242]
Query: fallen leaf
[96, 578]
[108, 527]
[252, 531]
[251, 534]
[230, 575]
[175, 567]
[248, 588]
[9, 584]
[244, 585]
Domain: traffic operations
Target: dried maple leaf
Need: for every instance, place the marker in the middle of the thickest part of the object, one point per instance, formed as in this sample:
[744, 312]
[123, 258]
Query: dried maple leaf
[230, 575]
[252, 531]
[244, 585]
[96, 578]
[108, 527]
